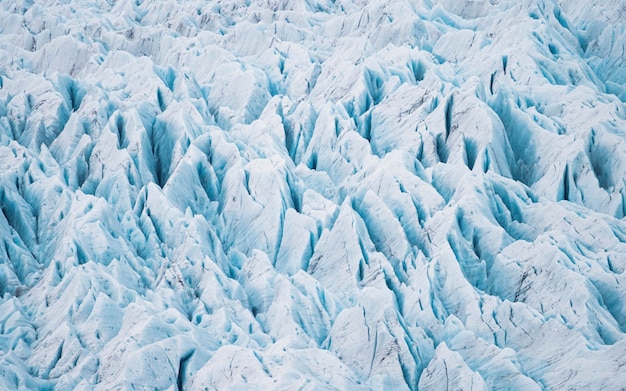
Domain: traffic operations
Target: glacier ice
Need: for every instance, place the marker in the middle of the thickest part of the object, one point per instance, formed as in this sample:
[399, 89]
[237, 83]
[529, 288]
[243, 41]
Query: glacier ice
[312, 194]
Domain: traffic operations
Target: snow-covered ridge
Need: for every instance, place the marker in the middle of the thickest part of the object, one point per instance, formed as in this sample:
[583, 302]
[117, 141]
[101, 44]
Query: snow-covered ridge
[312, 194]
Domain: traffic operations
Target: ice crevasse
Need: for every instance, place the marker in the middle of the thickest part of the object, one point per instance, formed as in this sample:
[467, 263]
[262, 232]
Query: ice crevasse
[312, 194]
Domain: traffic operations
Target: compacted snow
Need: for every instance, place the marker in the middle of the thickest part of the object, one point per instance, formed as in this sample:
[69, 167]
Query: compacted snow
[312, 194]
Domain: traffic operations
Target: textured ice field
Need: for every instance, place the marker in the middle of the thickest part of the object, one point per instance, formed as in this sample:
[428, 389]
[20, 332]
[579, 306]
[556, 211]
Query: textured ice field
[308, 195]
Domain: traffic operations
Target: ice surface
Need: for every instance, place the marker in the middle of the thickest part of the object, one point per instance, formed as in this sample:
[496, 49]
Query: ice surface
[312, 195]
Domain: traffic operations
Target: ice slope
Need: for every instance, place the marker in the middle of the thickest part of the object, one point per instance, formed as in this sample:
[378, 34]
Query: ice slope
[312, 194]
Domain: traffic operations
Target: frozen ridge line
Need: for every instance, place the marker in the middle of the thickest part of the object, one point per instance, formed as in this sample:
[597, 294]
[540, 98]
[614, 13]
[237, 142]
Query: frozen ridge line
[312, 195]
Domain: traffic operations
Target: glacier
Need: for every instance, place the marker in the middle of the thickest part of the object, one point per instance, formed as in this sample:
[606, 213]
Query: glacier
[312, 194]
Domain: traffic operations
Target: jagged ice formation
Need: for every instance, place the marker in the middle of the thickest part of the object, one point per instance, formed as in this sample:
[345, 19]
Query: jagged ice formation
[312, 194]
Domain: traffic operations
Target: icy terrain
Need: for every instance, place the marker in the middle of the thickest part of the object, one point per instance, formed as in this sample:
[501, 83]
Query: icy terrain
[312, 194]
